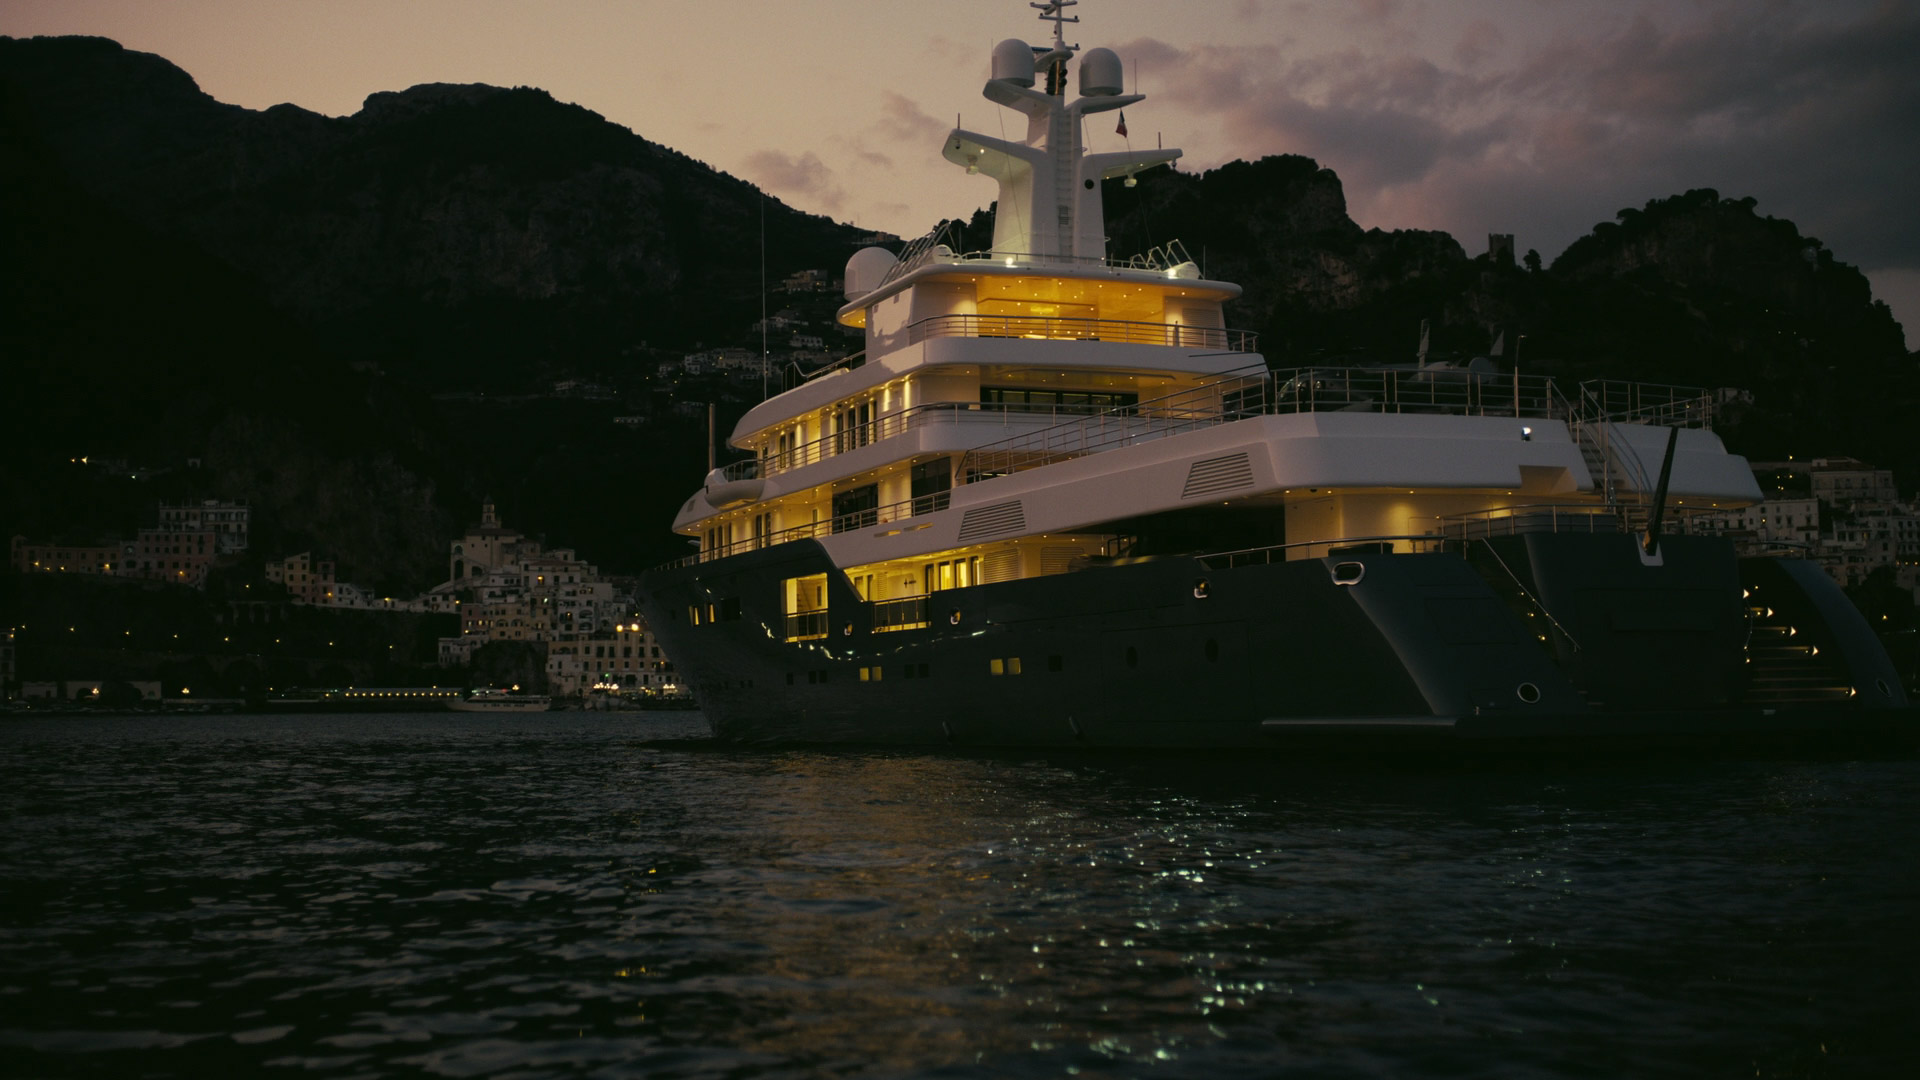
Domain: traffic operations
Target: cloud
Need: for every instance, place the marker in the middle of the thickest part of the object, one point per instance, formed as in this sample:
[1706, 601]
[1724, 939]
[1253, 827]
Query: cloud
[1480, 40]
[866, 155]
[804, 181]
[1812, 110]
[905, 122]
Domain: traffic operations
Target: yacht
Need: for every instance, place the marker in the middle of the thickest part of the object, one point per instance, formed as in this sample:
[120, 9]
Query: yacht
[1058, 500]
[498, 701]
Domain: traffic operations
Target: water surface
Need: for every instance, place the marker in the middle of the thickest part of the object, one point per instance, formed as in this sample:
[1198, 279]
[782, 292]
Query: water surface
[613, 895]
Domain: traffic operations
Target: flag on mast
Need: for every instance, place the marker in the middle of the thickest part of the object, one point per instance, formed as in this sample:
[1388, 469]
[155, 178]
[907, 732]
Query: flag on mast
[1122, 129]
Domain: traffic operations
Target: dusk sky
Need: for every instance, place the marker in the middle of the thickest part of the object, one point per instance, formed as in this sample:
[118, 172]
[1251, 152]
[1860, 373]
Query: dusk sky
[1472, 116]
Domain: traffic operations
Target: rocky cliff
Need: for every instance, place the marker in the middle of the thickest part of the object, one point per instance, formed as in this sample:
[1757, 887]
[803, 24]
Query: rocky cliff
[283, 294]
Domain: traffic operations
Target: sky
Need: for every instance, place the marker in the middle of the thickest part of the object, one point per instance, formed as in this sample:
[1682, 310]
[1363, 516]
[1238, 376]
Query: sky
[1537, 118]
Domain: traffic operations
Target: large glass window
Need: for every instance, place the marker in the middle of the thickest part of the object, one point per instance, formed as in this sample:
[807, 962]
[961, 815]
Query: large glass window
[856, 508]
[1078, 402]
[931, 482]
[951, 573]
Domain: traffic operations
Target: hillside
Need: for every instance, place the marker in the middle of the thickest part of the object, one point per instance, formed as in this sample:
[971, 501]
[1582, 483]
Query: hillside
[358, 323]
[283, 294]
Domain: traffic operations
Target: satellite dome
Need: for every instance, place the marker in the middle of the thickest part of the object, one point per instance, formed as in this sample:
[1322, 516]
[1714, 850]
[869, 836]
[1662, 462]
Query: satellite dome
[865, 270]
[1013, 62]
[1100, 73]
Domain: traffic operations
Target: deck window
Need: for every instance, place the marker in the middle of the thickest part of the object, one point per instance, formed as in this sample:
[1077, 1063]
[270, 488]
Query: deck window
[952, 573]
[1018, 399]
[804, 607]
[931, 482]
[856, 508]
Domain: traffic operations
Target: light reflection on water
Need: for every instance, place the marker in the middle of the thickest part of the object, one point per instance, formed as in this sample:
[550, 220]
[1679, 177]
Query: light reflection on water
[610, 894]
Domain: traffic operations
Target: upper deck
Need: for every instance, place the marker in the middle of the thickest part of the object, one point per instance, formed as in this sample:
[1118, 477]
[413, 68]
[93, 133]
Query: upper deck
[1142, 288]
[1018, 315]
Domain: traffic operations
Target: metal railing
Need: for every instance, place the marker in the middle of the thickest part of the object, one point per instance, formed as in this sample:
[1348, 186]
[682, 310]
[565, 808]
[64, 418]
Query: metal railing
[1255, 391]
[933, 247]
[1060, 328]
[1531, 518]
[871, 517]
[1416, 543]
[906, 613]
[806, 624]
[1527, 594]
[1258, 392]
[845, 363]
[1605, 404]
[1014, 415]
[1567, 517]
[1621, 402]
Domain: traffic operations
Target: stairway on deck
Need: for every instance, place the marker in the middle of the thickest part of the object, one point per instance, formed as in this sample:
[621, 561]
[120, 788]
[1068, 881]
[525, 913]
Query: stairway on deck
[1783, 668]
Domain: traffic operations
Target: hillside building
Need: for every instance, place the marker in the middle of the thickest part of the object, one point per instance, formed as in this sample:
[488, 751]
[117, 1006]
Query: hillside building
[227, 521]
[28, 556]
[1840, 481]
[176, 555]
[306, 581]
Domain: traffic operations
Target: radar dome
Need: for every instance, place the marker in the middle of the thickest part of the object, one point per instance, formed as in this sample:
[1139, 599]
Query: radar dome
[1013, 62]
[1100, 73]
[865, 270]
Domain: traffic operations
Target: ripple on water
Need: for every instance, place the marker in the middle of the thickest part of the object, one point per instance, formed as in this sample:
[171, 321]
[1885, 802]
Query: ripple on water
[360, 895]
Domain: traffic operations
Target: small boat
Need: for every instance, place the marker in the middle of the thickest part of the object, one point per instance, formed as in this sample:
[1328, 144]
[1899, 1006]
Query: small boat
[501, 701]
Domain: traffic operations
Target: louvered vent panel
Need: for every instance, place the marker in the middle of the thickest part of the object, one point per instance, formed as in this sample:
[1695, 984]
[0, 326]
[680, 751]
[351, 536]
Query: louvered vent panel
[1000, 566]
[992, 520]
[1215, 475]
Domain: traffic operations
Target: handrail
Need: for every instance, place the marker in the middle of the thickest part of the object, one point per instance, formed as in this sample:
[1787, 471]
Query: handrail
[1244, 393]
[1244, 556]
[1254, 391]
[1555, 518]
[1624, 402]
[927, 248]
[1060, 328]
[900, 613]
[1607, 403]
[888, 425]
[918, 506]
[845, 363]
[1528, 517]
[1615, 454]
[1528, 593]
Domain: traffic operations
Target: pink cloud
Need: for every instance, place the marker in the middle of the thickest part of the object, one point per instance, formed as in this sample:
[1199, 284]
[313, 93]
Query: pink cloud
[804, 180]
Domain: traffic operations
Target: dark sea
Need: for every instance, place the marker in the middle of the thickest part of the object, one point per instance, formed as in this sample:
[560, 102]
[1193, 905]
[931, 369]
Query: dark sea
[610, 895]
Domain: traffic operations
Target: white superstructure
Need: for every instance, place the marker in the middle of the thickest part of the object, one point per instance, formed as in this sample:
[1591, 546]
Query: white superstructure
[1020, 410]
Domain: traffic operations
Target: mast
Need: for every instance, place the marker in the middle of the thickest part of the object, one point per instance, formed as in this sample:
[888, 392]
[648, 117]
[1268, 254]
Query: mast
[1050, 199]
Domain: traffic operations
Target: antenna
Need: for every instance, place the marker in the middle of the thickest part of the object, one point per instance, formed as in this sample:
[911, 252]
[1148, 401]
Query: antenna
[1054, 11]
[763, 294]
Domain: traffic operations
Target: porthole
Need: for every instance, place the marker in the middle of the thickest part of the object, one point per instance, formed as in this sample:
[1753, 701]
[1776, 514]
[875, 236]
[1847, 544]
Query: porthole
[847, 630]
[953, 617]
[1527, 692]
[1349, 573]
[1201, 589]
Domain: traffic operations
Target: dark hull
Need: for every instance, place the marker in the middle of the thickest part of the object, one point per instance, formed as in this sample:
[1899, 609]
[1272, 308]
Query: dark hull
[1532, 642]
